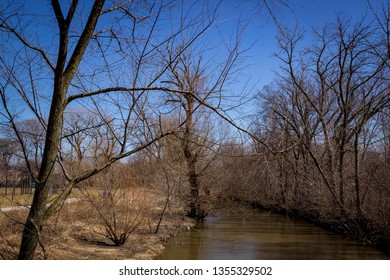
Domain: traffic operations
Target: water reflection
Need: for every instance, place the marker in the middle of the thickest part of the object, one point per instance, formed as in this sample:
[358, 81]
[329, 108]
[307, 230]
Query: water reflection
[263, 236]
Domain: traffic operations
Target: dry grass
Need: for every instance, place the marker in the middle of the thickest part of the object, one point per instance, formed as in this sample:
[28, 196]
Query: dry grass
[9, 200]
[74, 233]
[14, 200]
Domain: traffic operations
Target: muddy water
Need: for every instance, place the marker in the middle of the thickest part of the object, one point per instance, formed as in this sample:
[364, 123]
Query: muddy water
[261, 235]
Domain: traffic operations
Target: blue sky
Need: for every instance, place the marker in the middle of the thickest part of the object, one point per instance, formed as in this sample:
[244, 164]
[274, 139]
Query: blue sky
[260, 32]
[259, 61]
[306, 13]
[258, 65]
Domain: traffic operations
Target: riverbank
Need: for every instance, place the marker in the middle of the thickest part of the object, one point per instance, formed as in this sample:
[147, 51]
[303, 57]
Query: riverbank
[76, 233]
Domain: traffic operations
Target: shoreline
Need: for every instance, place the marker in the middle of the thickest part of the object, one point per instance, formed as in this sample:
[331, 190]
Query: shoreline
[71, 235]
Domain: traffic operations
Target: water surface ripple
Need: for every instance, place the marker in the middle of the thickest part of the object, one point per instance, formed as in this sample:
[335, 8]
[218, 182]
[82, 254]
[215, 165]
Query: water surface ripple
[262, 235]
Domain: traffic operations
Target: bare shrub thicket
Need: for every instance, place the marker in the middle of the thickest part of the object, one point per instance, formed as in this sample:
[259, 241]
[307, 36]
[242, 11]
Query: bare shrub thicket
[118, 197]
[163, 170]
[12, 224]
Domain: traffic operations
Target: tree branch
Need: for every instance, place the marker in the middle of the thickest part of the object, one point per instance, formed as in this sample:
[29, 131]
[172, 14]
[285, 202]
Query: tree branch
[28, 45]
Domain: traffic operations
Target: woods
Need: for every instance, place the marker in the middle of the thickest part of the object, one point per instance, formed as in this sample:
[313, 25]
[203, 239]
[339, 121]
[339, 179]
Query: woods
[325, 108]
[113, 100]
[321, 119]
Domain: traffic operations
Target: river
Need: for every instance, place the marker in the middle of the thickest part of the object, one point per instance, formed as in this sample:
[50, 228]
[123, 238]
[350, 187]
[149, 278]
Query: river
[261, 235]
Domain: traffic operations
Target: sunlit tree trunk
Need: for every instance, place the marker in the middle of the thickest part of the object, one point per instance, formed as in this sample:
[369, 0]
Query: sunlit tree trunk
[63, 75]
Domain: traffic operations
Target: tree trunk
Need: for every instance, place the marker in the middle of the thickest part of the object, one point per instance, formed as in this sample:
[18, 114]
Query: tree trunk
[341, 163]
[194, 204]
[33, 226]
[356, 177]
[63, 75]
[195, 207]
[36, 216]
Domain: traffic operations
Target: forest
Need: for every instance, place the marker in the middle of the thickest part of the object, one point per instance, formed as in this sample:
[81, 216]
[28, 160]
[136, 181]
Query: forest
[118, 117]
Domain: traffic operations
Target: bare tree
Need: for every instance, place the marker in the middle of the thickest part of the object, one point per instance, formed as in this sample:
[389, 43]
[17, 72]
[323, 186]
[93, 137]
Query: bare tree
[111, 67]
[8, 151]
[189, 79]
[326, 99]
[197, 90]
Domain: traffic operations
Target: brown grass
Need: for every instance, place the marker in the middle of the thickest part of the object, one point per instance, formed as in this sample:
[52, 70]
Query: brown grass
[18, 199]
[75, 233]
